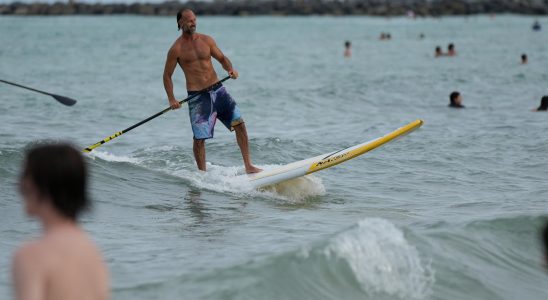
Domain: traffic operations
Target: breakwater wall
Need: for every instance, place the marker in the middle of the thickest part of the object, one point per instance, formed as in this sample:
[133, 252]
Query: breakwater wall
[286, 7]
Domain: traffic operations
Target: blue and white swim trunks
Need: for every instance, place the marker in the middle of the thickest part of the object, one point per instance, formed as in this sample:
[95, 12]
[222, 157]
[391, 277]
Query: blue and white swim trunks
[205, 109]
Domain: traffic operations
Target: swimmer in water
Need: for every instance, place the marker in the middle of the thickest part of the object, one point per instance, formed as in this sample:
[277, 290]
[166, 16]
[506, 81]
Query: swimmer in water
[545, 242]
[455, 100]
[524, 59]
[451, 50]
[543, 104]
[438, 52]
[347, 50]
[536, 26]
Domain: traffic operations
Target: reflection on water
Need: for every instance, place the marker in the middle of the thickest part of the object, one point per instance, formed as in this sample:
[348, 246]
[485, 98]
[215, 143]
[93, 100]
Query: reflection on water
[194, 204]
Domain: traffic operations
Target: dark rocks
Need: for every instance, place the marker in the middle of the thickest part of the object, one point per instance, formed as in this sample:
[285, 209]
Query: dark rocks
[286, 7]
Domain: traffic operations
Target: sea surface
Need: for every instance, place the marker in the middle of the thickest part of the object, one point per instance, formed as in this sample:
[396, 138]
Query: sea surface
[451, 211]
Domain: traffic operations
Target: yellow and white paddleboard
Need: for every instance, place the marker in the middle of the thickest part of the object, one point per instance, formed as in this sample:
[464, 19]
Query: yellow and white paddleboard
[324, 161]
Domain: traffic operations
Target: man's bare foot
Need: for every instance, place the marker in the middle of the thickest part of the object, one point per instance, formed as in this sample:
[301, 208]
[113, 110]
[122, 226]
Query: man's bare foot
[252, 169]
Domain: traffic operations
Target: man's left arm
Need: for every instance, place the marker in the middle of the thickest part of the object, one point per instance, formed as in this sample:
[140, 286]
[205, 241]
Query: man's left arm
[221, 58]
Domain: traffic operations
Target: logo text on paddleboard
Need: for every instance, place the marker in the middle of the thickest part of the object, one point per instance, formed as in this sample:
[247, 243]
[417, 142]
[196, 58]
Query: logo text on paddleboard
[331, 159]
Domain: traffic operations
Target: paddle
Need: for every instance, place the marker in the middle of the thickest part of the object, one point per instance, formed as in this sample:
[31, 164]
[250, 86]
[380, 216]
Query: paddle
[119, 133]
[62, 99]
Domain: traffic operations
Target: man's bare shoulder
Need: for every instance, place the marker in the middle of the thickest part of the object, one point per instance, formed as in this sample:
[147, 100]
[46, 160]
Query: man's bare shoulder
[28, 254]
[66, 240]
[31, 247]
[176, 46]
[206, 38]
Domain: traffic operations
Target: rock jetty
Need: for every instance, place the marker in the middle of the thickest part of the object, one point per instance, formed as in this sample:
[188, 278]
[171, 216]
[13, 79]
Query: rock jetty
[286, 7]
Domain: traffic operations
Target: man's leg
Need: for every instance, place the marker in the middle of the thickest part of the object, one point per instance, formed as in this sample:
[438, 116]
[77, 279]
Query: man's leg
[241, 138]
[199, 153]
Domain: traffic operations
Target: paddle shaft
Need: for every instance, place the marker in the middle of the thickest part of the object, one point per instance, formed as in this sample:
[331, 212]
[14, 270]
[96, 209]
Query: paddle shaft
[26, 87]
[119, 133]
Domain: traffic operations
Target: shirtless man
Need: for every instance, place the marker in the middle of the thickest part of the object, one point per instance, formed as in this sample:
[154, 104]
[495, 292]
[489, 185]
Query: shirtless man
[63, 263]
[193, 52]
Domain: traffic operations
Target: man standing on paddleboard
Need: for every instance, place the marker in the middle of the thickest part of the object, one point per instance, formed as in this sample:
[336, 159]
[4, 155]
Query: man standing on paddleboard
[193, 52]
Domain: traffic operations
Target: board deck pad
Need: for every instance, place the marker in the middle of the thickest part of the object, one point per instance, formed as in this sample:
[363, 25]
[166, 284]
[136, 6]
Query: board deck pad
[327, 160]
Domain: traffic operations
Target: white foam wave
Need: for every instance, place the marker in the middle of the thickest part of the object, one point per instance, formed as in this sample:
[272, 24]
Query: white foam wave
[234, 180]
[217, 178]
[297, 189]
[112, 157]
[162, 148]
[225, 179]
[382, 260]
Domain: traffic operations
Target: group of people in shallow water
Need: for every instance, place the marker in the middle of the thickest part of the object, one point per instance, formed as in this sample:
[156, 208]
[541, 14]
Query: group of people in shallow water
[450, 51]
[455, 98]
[385, 36]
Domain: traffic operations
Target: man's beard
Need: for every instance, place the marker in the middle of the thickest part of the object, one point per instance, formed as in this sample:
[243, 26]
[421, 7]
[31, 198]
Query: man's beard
[189, 30]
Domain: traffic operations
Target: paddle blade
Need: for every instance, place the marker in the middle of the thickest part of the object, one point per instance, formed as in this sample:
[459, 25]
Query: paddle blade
[64, 100]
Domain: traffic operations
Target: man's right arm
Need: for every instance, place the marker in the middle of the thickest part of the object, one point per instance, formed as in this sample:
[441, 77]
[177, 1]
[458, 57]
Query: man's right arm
[171, 63]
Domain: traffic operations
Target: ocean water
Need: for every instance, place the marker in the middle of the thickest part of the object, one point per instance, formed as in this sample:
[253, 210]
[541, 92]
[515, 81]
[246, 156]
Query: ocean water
[451, 211]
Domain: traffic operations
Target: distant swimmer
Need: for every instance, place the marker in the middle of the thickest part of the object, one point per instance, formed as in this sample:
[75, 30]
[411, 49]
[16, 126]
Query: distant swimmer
[63, 263]
[411, 14]
[524, 59]
[544, 237]
[193, 52]
[451, 50]
[347, 49]
[536, 26]
[455, 100]
[421, 36]
[543, 104]
[385, 36]
[438, 52]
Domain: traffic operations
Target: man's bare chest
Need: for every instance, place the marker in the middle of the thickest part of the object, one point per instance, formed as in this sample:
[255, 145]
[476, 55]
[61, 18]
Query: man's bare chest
[194, 51]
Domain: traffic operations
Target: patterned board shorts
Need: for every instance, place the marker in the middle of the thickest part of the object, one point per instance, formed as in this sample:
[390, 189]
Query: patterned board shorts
[205, 109]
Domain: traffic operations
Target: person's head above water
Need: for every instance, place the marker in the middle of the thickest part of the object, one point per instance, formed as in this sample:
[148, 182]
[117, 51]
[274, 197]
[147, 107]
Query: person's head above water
[544, 237]
[451, 49]
[543, 104]
[524, 58]
[455, 100]
[54, 178]
[186, 20]
[438, 51]
[347, 49]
